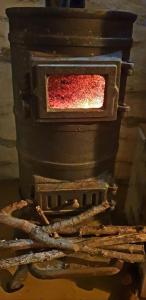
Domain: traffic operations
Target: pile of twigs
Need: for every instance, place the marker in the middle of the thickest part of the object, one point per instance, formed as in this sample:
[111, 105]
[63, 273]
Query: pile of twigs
[74, 240]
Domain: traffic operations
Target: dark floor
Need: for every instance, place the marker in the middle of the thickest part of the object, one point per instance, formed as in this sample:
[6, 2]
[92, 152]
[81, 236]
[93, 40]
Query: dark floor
[34, 289]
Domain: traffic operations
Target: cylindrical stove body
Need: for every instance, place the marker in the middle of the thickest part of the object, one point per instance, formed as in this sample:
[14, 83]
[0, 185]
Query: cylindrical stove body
[65, 150]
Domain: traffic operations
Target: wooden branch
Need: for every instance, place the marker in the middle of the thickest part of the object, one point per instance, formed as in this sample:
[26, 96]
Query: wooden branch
[114, 245]
[101, 242]
[30, 258]
[15, 206]
[72, 222]
[98, 230]
[60, 243]
[97, 253]
[110, 230]
[131, 258]
[36, 233]
[130, 248]
[23, 244]
[42, 215]
[64, 230]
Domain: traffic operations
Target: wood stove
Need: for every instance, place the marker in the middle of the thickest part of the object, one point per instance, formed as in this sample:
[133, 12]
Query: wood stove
[69, 88]
[69, 68]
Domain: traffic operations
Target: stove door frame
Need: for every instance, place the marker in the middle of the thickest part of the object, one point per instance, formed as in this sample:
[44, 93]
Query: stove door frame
[110, 69]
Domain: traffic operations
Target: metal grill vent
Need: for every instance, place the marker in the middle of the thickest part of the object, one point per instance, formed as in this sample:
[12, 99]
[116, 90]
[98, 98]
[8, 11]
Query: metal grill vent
[60, 196]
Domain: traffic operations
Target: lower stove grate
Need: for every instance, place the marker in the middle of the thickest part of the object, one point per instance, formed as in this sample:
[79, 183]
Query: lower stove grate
[56, 196]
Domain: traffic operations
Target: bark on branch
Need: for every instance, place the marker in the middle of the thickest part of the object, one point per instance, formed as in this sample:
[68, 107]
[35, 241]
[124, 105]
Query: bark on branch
[36, 233]
[42, 215]
[74, 221]
[105, 246]
[110, 230]
[128, 248]
[9, 209]
[30, 258]
[23, 244]
[132, 258]
[101, 242]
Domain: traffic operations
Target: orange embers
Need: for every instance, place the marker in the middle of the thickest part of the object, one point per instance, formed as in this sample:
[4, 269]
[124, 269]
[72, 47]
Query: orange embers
[75, 91]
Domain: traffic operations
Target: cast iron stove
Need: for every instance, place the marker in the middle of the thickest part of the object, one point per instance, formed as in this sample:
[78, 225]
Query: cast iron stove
[69, 68]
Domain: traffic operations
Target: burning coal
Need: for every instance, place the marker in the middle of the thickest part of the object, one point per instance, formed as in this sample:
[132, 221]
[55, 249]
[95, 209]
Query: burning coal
[75, 91]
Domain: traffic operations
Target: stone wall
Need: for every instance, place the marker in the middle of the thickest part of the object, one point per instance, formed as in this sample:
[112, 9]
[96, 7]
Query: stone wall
[8, 153]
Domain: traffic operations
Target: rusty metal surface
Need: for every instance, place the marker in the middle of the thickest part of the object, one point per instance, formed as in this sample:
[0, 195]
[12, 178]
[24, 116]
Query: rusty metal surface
[85, 27]
[59, 196]
[17, 280]
[72, 271]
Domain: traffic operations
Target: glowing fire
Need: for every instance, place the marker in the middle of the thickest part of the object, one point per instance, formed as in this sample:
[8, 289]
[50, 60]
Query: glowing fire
[94, 103]
[75, 91]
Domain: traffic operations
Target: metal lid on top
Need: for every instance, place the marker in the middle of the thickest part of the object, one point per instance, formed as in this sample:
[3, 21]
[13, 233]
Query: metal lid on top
[70, 12]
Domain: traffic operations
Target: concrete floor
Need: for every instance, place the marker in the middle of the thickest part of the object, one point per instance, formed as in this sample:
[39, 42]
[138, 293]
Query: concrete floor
[34, 289]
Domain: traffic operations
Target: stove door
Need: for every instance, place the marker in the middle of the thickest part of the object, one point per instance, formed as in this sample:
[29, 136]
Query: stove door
[76, 89]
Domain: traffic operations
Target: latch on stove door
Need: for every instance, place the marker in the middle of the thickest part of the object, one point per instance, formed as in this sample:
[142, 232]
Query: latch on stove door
[128, 68]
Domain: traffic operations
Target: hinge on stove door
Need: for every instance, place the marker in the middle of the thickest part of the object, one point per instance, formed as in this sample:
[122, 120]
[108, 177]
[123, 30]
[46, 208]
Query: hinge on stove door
[124, 107]
[128, 67]
[25, 96]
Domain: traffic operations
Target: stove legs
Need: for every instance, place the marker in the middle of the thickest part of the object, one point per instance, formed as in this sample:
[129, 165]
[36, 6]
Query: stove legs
[143, 280]
[18, 279]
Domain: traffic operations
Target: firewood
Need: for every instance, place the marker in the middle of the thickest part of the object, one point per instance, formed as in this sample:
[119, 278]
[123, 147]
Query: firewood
[132, 258]
[130, 248]
[9, 209]
[33, 230]
[117, 243]
[42, 215]
[39, 235]
[110, 230]
[65, 230]
[23, 244]
[30, 258]
[36, 233]
[98, 230]
[101, 242]
[72, 222]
